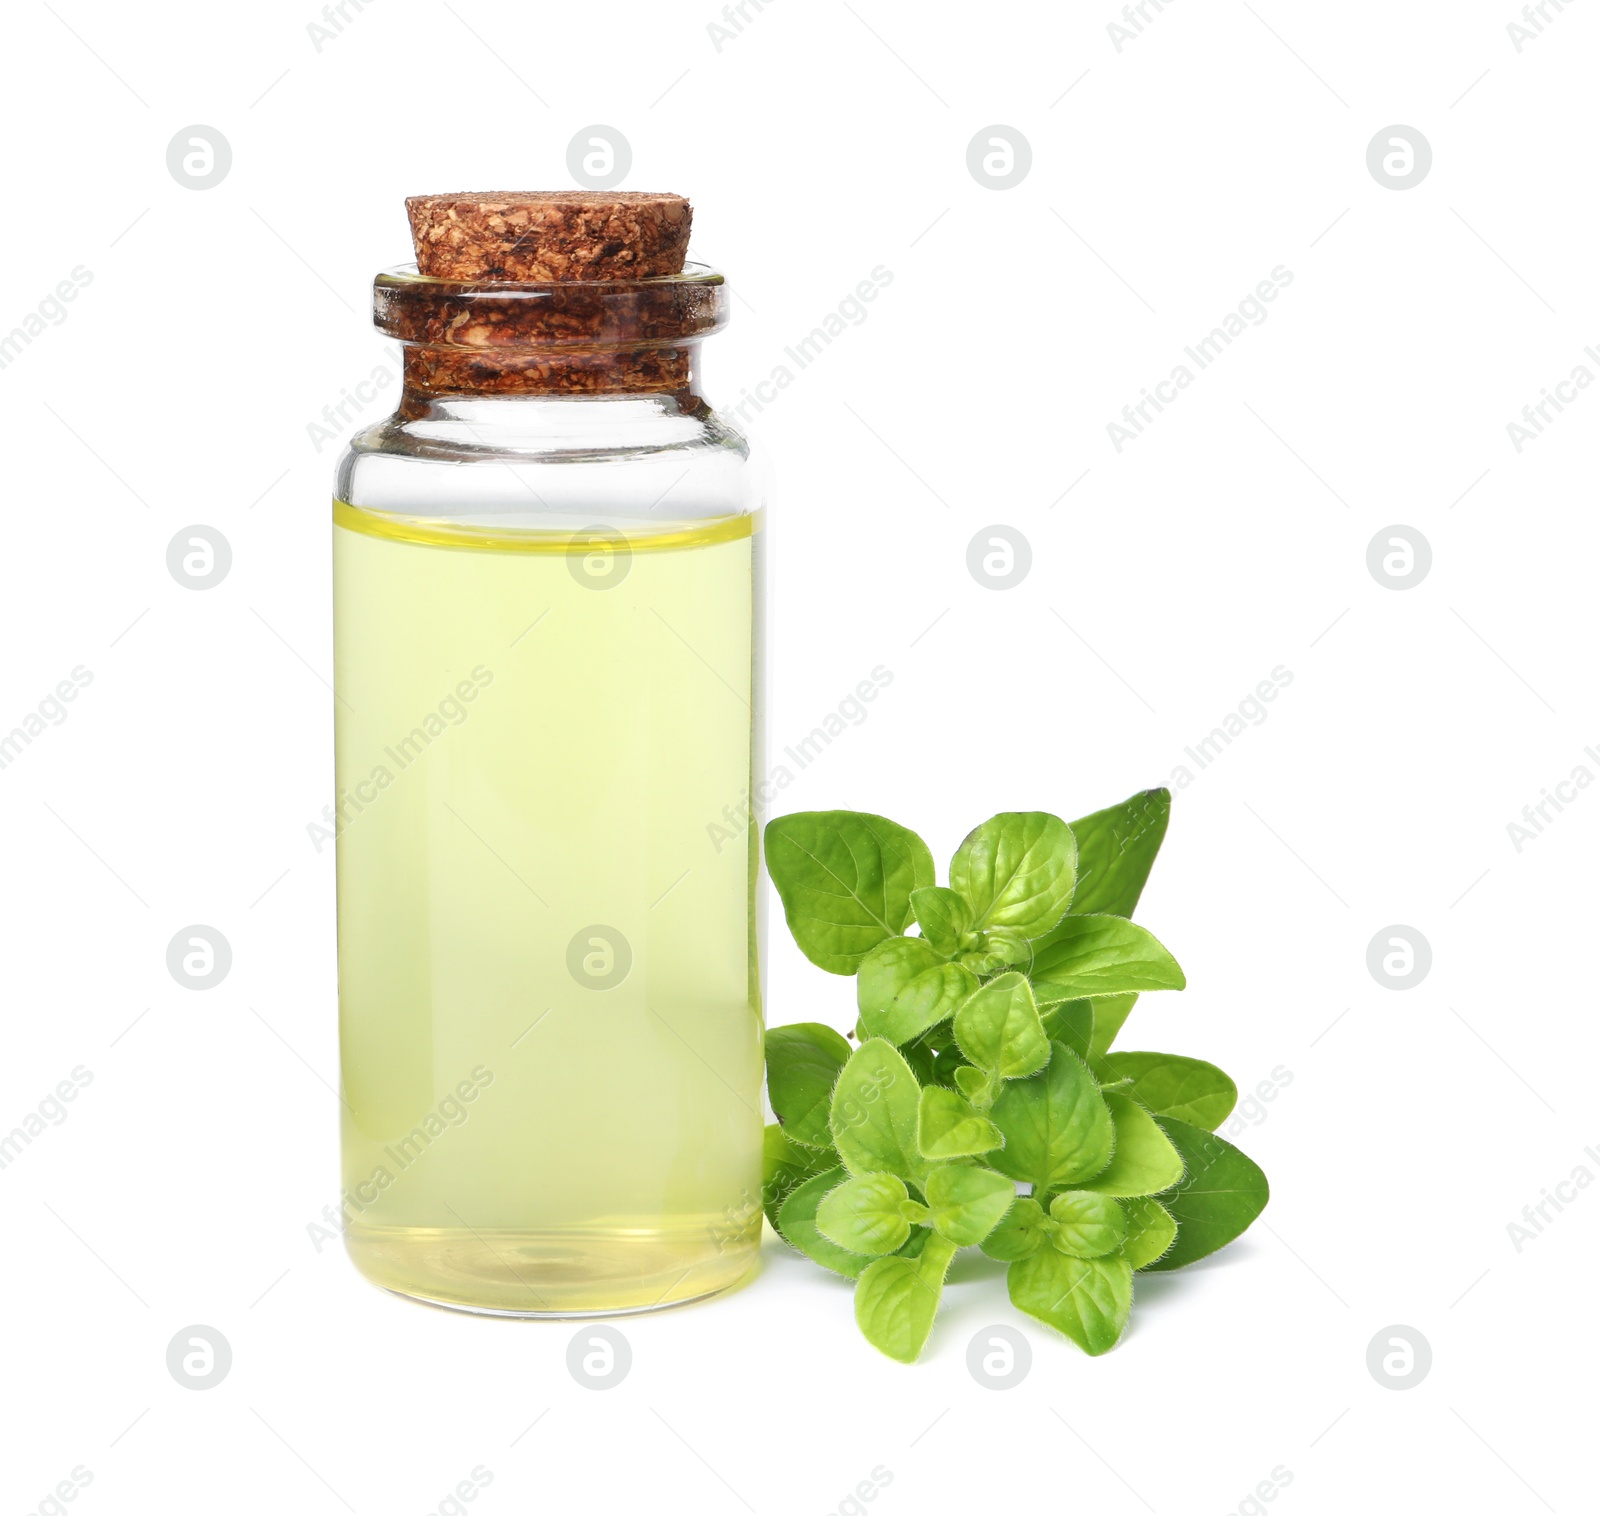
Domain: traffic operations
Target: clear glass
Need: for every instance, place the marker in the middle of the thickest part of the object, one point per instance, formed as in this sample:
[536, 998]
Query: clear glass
[548, 661]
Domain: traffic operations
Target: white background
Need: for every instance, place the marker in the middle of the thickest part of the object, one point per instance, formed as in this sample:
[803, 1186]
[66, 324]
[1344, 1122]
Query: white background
[825, 139]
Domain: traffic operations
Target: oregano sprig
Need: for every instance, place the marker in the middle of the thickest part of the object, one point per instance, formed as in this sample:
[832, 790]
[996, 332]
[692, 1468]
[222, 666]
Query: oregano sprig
[983, 1105]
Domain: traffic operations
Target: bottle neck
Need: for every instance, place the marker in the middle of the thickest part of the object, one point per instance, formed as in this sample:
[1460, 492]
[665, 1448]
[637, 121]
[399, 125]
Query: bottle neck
[496, 339]
[433, 372]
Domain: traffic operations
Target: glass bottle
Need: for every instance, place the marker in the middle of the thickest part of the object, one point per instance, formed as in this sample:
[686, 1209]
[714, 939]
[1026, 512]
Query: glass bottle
[547, 602]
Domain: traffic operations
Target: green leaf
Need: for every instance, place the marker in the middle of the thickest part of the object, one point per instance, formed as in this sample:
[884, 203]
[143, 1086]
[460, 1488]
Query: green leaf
[943, 916]
[1167, 1085]
[785, 1166]
[919, 1058]
[947, 1127]
[998, 1028]
[974, 1084]
[874, 1117]
[1221, 1193]
[1110, 1011]
[981, 961]
[845, 879]
[866, 1215]
[939, 1037]
[1056, 1125]
[1150, 1231]
[922, 1053]
[1101, 955]
[1087, 1225]
[1023, 1230]
[919, 1240]
[1017, 872]
[945, 1065]
[905, 987]
[1071, 1022]
[1007, 947]
[1143, 1162]
[968, 1202]
[1116, 847]
[1087, 1298]
[797, 1225]
[897, 1299]
[803, 1061]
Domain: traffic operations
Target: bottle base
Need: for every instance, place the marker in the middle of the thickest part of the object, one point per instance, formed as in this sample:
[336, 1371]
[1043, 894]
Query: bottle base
[556, 1276]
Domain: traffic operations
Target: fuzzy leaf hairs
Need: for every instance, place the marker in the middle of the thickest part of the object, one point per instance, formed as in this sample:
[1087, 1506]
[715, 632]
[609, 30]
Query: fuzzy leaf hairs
[983, 1105]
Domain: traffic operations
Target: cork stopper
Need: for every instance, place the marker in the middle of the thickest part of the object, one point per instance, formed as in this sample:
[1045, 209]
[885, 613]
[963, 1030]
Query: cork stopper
[547, 236]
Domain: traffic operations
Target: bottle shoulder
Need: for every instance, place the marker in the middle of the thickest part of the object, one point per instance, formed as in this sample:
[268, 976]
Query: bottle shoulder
[597, 458]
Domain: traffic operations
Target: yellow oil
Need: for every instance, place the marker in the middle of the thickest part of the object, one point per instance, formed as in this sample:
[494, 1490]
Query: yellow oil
[550, 1016]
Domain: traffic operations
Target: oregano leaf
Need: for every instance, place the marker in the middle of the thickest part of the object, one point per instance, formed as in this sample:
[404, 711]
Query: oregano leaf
[904, 988]
[897, 1298]
[1087, 1225]
[943, 916]
[1143, 1161]
[1007, 947]
[919, 1059]
[1022, 1231]
[1110, 1011]
[797, 1225]
[1221, 1193]
[985, 1067]
[945, 1065]
[874, 1114]
[1072, 1022]
[1101, 955]
[1151, 1230]
[1056, 1124]
[845, 879]
[864, 1215]
[967, 1202]
[1116, 848]
[1188, 1089]
[1087, 1026]
[974, 1084]
[803, 1062]
[1086, 1298]
[1017, 872]
[998, 1028]
[948, 1127]
[785, 1166]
